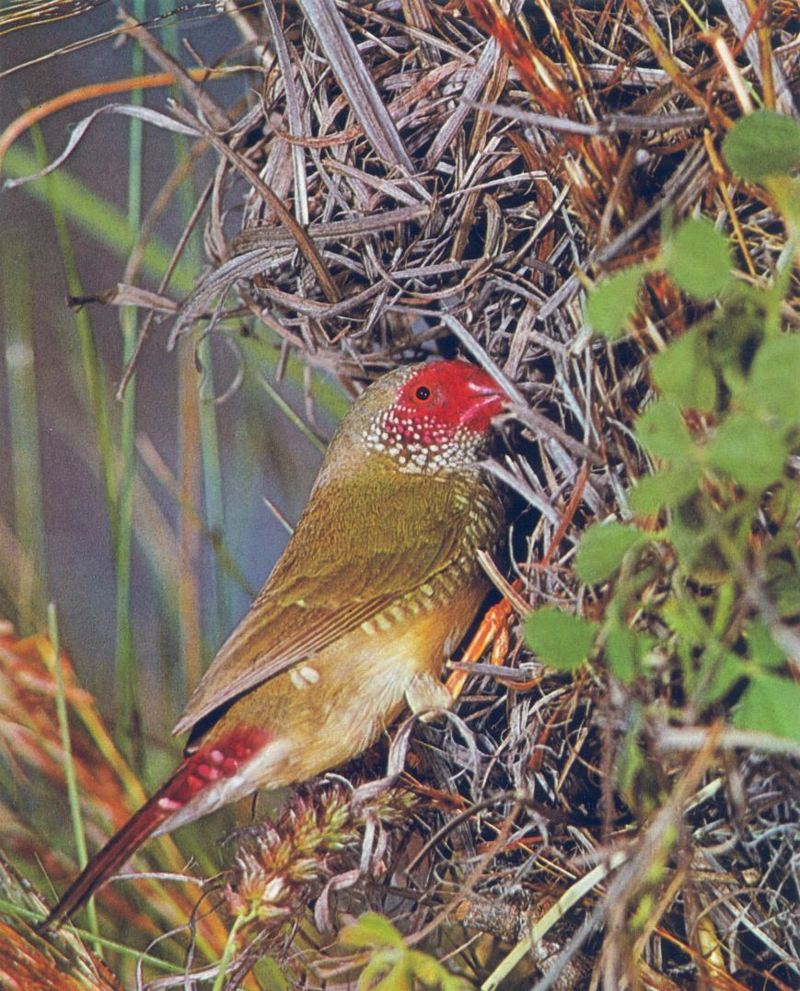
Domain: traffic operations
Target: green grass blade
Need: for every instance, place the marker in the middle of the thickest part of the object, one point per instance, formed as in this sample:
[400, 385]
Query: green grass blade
[93, 372]
[128, 717]
[69, 764]
[95, 216]
[219, 613]
[25, 453]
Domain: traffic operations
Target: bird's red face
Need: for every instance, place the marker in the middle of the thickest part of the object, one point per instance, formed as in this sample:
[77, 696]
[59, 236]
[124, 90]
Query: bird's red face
[445, 397]
[441, 416]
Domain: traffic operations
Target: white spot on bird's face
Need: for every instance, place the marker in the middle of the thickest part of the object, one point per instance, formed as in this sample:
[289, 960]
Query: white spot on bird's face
[423, 445]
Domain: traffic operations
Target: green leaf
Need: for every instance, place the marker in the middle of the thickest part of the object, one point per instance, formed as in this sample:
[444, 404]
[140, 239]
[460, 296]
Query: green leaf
[380, 965]
[662, 431]
[684, 373]
[625, 651]
[783, 586]
[561, 639]
[602, 549]
[737, 331]
[611, 303]
[698, 259]
[399, 978]
[728, 670]
[763, 649]
[771, 704]
[371, 929]
[763, 144]
[634, 771]
[686, 621]
[751, 452]
[667, 487]
[268, 971]
[426, 969]
[774, 378]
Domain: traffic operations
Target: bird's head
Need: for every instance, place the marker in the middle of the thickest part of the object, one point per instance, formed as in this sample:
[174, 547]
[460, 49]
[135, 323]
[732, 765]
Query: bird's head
[429, 417]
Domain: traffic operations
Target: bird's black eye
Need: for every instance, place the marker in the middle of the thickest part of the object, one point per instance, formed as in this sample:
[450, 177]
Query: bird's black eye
[422, 393]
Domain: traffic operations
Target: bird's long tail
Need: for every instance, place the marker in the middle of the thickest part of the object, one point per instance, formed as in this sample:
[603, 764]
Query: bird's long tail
[204, 780]
[119, 848]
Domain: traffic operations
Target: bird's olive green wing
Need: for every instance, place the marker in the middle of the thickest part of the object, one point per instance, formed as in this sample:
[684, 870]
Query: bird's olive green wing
[360, 545]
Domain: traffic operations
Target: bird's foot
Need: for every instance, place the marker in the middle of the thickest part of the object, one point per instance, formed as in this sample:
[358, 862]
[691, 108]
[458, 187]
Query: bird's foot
[493, 630]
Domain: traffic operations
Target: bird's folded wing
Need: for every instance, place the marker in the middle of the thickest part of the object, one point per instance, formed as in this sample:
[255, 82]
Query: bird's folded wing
[335, 574]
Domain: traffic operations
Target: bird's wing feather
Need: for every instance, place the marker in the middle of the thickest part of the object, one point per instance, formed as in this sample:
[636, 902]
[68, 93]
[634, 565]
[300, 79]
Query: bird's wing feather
[359, 546]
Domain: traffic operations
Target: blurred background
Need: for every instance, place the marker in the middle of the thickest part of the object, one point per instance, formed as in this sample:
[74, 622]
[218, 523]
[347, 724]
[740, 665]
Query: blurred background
[144, 520]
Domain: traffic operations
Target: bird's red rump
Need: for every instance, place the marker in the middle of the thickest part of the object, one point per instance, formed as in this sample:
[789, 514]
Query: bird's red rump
[221, 758]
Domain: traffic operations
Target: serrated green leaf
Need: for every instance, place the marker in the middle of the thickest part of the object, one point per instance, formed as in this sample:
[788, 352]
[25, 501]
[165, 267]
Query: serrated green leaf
[774, 378]
[602, 549]
[611, 303]
[771, 704]
[751, 452]
[684, 372]
[625, 651]
[763, 144]
[561, 639]
[667, 487]
[698, 259]
[371, 929]
[662, 431]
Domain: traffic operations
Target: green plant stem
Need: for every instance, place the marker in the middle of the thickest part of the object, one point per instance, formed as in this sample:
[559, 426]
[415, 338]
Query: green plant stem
[69, 763]
[93, 372]
[290, 414]
[9, 908]
[97, 218]
[127, 679]
[227, 953]
[26, 457]
[219, 613]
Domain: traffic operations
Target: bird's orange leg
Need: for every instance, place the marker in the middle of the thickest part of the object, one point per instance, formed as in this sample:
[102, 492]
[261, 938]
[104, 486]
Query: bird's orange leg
[493, 630]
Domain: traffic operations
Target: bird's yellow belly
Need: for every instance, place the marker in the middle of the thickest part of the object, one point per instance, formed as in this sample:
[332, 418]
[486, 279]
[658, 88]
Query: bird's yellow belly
[330, 708]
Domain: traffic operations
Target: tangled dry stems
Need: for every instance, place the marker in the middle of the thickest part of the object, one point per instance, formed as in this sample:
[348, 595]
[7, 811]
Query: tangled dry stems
[399, 185]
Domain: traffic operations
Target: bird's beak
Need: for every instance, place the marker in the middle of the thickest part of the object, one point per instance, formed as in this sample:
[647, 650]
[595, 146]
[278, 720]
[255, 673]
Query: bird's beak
[487, 400]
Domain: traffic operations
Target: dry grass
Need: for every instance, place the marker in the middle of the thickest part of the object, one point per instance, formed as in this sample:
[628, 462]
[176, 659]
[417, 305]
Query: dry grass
[398, 185]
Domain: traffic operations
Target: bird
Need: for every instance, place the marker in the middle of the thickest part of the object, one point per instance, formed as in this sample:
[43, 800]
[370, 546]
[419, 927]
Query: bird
[375, 589]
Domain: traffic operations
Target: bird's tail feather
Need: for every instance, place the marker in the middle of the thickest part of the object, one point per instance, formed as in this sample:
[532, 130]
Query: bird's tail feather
[211, 771]
[118, 849]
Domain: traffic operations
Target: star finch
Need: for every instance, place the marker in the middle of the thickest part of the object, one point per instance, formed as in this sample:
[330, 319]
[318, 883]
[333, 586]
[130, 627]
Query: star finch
[376, 587]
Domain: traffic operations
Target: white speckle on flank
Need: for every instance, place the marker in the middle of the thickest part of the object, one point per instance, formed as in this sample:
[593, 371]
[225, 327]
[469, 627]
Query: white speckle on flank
[303, 677]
